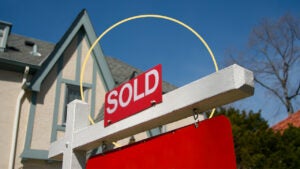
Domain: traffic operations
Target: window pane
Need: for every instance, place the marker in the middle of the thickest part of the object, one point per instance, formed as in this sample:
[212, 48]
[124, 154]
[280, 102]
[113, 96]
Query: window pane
[73, 92]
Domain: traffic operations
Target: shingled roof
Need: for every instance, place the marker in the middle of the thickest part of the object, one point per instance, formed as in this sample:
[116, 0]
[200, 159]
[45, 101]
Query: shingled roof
[17, 54]
[293, 119]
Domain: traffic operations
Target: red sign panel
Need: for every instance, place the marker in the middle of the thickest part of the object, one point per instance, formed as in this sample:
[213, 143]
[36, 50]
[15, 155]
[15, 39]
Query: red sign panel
[133, 96]
[210, 146]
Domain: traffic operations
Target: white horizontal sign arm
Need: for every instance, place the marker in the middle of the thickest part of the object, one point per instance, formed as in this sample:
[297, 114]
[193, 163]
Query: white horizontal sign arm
[220, 88]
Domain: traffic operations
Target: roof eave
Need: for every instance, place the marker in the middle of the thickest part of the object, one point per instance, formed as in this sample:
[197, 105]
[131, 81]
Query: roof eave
[15, 66]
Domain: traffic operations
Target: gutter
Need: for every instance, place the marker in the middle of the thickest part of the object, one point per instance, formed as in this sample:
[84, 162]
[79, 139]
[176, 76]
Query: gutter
[16, 120]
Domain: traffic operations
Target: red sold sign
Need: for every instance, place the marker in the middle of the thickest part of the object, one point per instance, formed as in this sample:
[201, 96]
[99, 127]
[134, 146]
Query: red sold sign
[133, 96]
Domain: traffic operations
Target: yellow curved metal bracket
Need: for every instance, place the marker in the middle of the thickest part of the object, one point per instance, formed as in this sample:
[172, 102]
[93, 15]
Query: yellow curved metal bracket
[139, 17]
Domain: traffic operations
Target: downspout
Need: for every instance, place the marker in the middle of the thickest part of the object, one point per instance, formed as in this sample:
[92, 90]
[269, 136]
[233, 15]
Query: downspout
[16, 120]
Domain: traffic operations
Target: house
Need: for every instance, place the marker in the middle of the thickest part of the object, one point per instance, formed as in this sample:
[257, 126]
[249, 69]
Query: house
[38, 79]
[293, 119]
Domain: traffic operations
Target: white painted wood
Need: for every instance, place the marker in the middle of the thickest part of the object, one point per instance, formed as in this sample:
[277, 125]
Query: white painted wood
[222, 87]
[76, 120]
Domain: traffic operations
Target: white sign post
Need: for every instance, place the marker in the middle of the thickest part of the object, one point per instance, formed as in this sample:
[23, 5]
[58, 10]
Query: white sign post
[220, 88]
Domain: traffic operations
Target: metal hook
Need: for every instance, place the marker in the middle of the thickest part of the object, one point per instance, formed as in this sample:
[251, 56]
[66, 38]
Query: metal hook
[196, 115]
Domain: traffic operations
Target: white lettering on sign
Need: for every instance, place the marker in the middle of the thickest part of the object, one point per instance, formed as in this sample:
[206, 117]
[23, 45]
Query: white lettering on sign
[129, 96]
[112, 101]
[137, 96]
[134, 95]
[149, 90]
[123, 102]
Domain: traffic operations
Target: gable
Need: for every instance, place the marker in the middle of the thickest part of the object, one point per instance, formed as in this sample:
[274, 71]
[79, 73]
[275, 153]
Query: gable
[81, 23]
[58, 81]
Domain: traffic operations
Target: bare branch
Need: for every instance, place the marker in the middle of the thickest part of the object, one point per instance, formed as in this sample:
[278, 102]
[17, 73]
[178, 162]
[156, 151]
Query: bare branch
[275, 57]
[297, 93]
[275, 92]
[271, 64]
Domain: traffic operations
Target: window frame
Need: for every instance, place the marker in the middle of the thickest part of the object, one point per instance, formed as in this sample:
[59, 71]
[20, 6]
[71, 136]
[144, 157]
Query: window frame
[74, 87]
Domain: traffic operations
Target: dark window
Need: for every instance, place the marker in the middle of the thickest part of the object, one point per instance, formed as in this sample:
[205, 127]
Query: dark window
[72, 93]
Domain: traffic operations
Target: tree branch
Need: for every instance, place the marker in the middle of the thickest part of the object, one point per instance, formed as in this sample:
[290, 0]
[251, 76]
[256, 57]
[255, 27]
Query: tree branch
[273, 67]
[270, 89]
[296, 93]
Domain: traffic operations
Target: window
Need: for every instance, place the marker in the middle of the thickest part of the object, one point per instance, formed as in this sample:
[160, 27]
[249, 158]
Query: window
[72, 93]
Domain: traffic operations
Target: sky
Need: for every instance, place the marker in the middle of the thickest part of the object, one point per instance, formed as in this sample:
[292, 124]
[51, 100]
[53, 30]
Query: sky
[144, 43]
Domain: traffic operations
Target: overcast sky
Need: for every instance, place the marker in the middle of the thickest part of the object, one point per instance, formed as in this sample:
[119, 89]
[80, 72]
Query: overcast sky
[144, 43]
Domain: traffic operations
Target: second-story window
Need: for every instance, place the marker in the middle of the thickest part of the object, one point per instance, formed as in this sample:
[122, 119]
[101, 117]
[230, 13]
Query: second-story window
[72, 93]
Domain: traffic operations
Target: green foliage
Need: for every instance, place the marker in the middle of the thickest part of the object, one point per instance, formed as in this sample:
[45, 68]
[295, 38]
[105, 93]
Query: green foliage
[257, 146]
